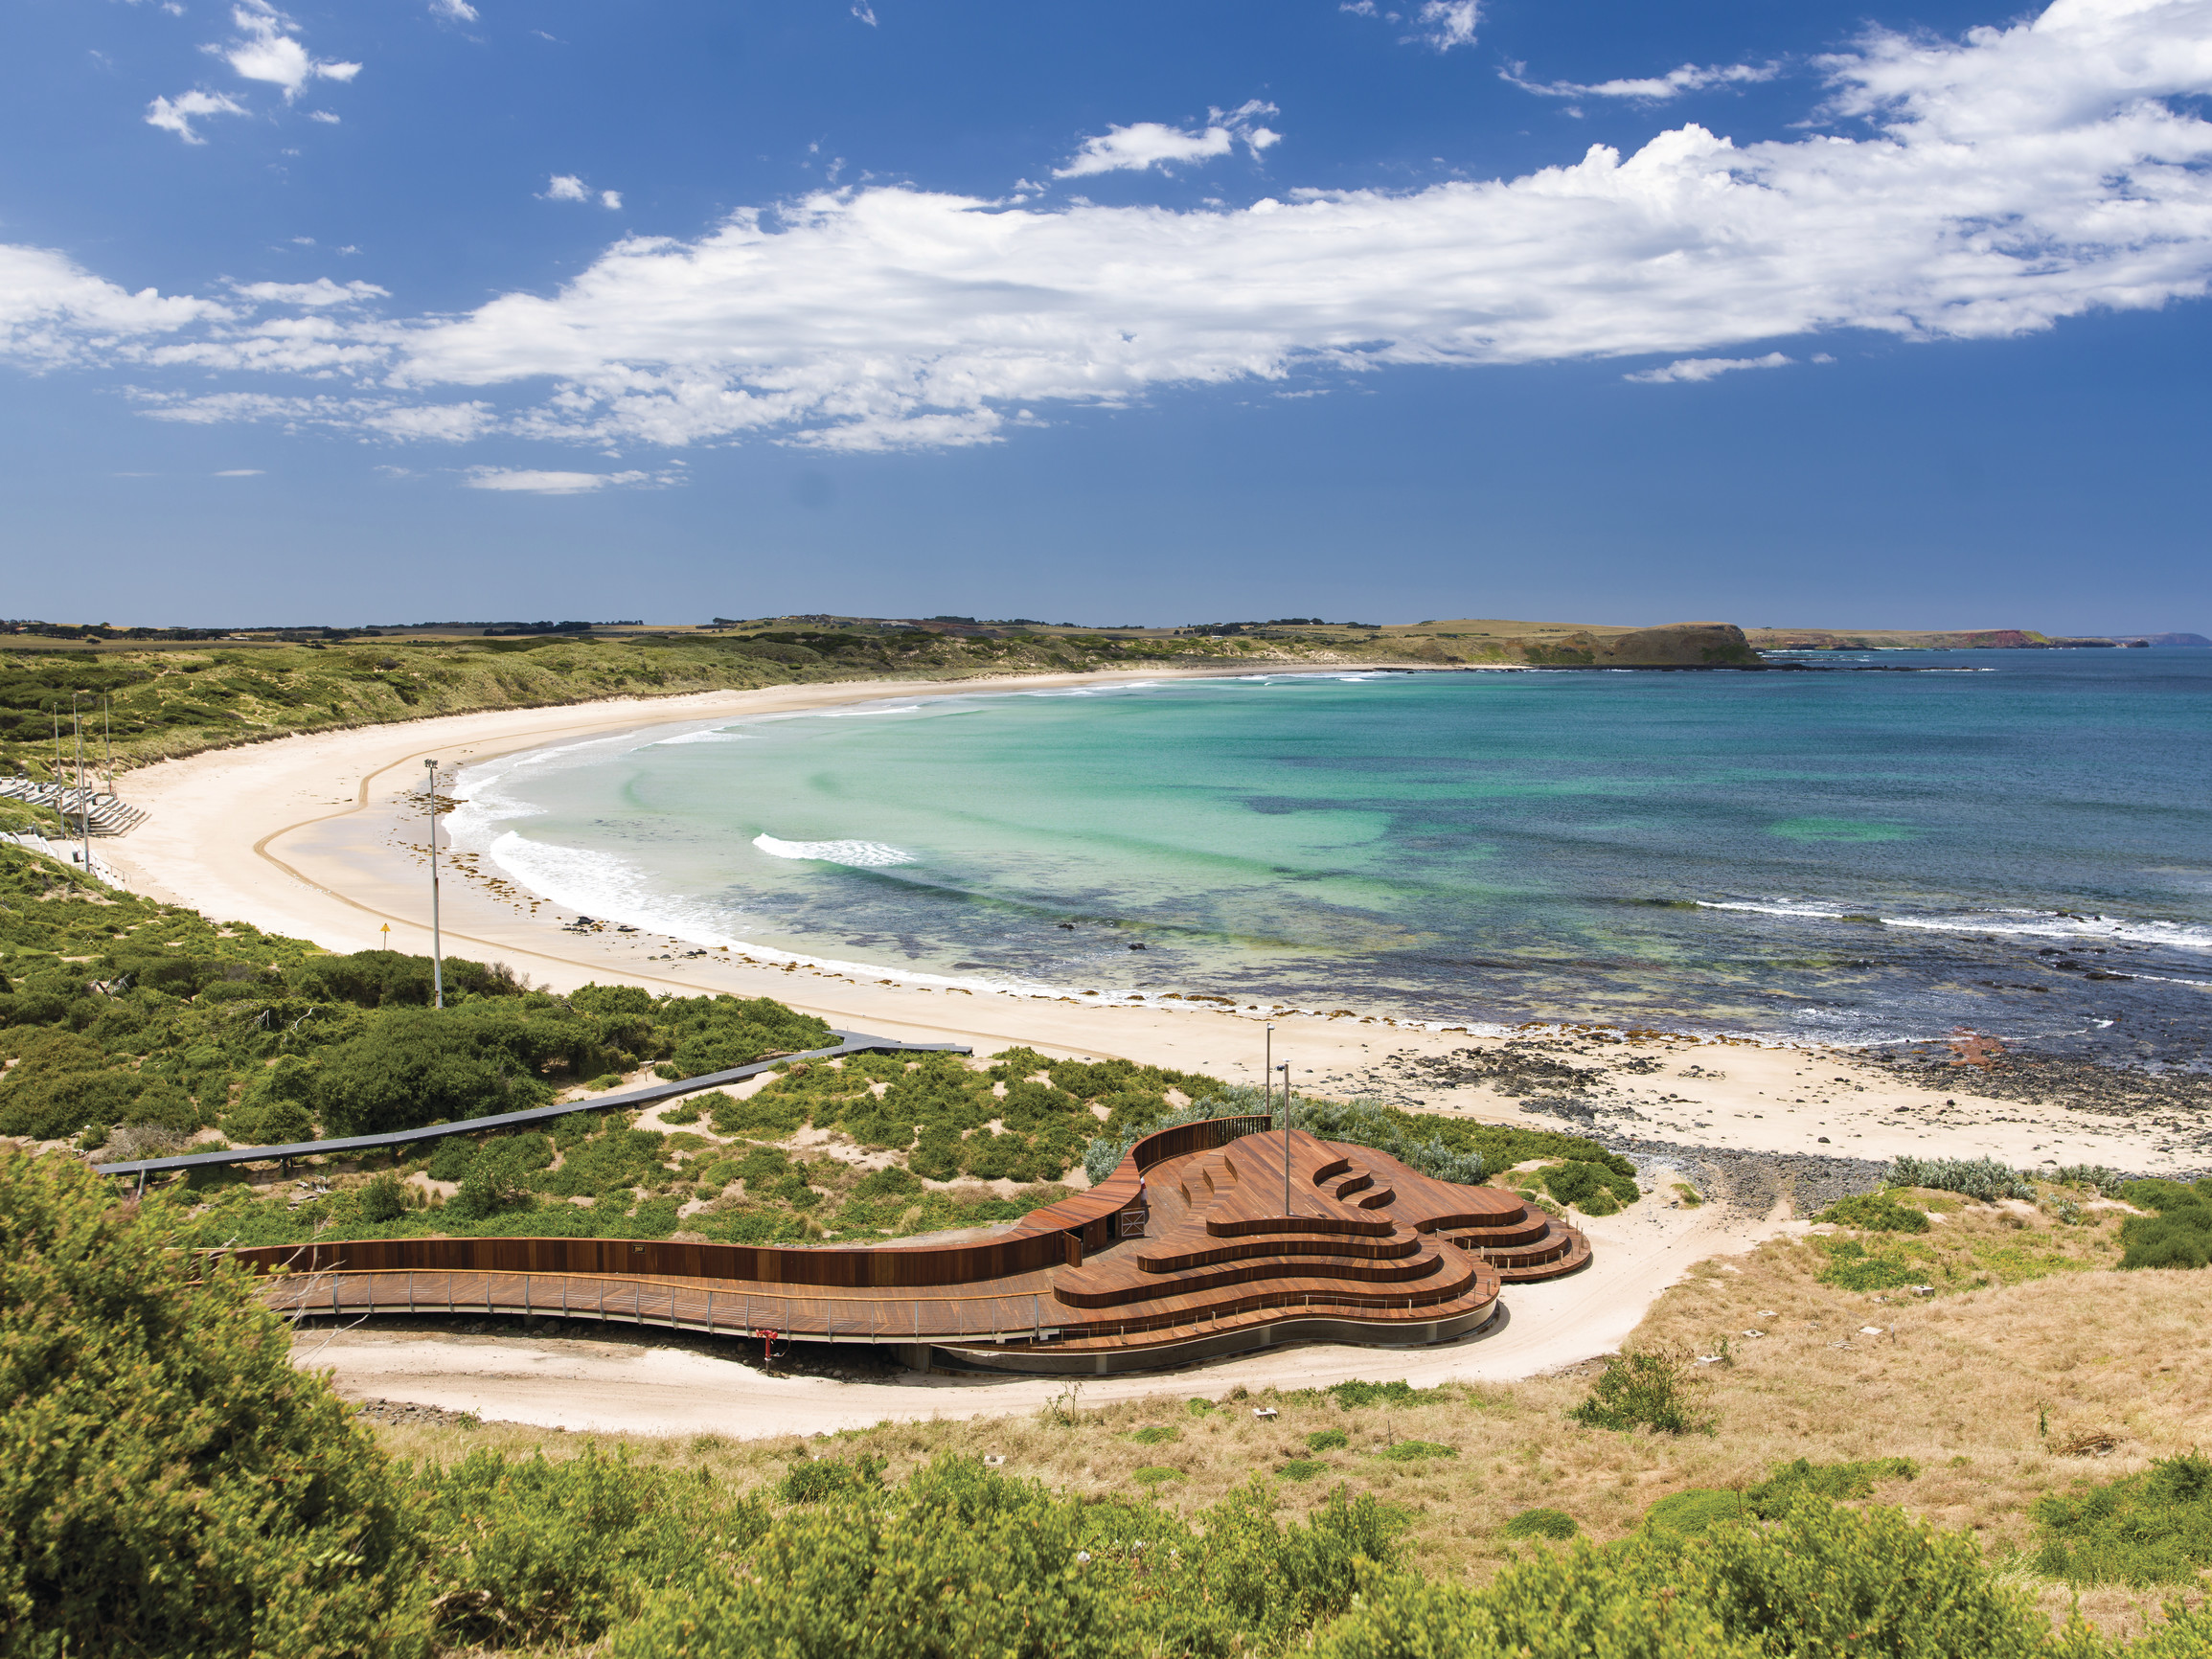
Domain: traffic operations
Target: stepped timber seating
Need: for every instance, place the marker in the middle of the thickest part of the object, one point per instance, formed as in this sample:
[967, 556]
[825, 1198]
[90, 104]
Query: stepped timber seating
[83, 811]
[1188, 1249]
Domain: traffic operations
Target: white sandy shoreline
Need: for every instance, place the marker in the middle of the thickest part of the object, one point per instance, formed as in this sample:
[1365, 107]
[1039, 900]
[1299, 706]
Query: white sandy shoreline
[315, 836]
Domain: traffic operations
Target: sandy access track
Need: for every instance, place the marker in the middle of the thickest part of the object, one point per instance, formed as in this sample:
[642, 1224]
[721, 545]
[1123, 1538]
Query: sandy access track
[319, 836]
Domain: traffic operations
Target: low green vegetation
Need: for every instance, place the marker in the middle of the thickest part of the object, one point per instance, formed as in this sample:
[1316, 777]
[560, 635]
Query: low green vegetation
[169, 1483]
[1413, 1451]
[1983, 1178]
[2177, 1233]
[1594, 1187]
[1820, 1581]
[1555, 1524]
[1645, 1389]
[123, 1013]
[1449, 1148]
[1875, 1213]
[2152, 1528]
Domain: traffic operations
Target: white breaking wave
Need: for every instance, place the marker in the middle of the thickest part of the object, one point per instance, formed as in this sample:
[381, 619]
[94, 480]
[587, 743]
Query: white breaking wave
[2051, 924]
[1769, 909]
[607, 888]
[2024, 923]
[698, 738]
[859, 854]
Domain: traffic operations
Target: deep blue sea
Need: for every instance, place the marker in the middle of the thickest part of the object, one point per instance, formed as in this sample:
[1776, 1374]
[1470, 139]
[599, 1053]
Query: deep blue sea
[2020, 842]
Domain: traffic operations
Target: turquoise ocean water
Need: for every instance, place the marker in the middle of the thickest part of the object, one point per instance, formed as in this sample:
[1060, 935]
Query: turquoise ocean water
[2020, 842]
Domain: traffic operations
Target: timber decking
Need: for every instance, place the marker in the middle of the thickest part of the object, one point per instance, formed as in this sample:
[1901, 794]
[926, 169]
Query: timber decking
[1364, 1242]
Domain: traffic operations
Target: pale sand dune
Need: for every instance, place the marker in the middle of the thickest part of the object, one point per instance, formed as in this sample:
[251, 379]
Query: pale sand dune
[315, 836]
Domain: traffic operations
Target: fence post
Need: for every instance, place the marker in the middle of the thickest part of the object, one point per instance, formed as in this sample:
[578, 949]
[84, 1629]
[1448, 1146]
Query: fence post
[710, 1310]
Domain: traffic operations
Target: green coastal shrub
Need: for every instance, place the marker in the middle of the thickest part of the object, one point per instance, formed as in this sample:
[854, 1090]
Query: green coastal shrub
[2152, 1528]
[1852, 1266]
[818, 1480]
[1413, 1451]
[1875, 1213]
[1982, 1178]
[1821, 1581]
[1553, 1524]
[2180, 1234]
[1593, 1188]
[1649, 1388]
[958, 1560]
[169, 1483]
[1690, 1514]
[528, 1551]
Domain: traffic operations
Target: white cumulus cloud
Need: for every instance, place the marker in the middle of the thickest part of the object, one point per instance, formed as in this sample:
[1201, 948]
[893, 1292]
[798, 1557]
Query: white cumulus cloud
[1146, 144]
[549, 483]
[1980, 188]
[177, 114]
[1439, 23]
[568, 186]
[453, 11]
[1447, 23]
[1650, 88]
[266, 49]
[1706, 368]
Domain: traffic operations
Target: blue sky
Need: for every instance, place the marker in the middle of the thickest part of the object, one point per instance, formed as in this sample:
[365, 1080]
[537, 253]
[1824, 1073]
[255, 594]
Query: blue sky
[431, 309]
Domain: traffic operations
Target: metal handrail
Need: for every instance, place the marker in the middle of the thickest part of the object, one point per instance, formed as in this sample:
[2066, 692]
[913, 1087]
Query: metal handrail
[852, 1043]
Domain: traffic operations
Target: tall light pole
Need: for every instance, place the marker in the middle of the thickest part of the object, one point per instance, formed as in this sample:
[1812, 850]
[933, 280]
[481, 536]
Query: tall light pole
[1267, 1098]
[1285, 1069]
[437, 955]
[83, 800]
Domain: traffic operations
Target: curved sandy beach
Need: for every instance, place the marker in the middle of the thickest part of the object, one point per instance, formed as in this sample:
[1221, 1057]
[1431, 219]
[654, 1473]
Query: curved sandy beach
[320, 837]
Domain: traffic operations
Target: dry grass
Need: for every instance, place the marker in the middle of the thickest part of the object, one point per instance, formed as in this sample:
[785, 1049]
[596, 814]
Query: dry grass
[1986, 1388]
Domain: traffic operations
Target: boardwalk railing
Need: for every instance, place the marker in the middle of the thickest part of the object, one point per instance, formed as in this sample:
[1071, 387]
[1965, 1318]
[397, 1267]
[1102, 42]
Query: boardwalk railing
[848, 1043]
[1032, 1317]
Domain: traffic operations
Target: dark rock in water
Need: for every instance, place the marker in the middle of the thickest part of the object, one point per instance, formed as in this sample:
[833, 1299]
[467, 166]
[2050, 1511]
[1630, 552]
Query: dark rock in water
[1140, 946]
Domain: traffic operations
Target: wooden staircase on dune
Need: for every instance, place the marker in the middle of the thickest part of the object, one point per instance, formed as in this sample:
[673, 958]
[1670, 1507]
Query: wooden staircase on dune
[1351, 1234]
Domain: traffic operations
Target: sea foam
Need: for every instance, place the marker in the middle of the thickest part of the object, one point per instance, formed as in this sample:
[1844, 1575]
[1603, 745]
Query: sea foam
[859, 854]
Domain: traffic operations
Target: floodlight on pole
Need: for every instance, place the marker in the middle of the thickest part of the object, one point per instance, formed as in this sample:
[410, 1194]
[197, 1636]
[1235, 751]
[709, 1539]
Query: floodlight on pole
[437, 955]
[1267, 1104]
[83, 799]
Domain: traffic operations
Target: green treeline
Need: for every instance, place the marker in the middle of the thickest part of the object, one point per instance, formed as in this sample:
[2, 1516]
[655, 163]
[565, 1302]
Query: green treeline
[170, 1484]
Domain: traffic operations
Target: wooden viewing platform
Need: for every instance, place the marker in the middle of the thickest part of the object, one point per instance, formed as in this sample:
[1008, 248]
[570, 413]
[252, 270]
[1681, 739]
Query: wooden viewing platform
[1186, 1250]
